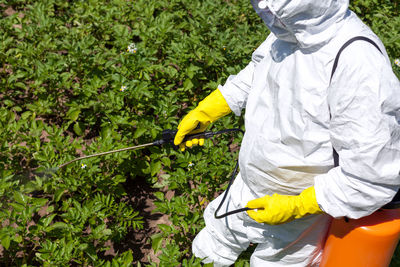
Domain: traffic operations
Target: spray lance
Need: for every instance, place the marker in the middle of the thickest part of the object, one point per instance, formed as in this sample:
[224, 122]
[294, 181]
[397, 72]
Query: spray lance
[168, 137]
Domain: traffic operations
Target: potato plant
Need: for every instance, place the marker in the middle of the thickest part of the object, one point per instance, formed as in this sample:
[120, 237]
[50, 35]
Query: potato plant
[82, 77]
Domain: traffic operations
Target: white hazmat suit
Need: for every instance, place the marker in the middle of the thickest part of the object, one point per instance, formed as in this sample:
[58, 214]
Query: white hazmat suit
[294, 118]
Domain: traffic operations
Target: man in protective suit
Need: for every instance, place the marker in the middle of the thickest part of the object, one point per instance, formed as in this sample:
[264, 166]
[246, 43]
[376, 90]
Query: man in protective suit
[298, 111]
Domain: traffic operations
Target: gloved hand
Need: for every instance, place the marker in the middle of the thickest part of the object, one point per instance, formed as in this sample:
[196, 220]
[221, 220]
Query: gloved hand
[209, 110]
[278, 209]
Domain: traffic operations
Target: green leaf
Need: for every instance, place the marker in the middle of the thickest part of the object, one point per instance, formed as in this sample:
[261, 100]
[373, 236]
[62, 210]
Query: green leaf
[26, 115]
[83, 246]
[155, 167]
[127, 258]
[17, 207]
[106, 132]
[139, 132]
[40, 156]
[164, 227]
[50, 209]
[57, 225]
[99, 228]
[73, 114]
[20, 198]
[156, 241]
[30, 187]
[107, 232]
[77, 129]
[20, 85]
[166, 161]
[5, 241]
[46, 221]
[58, 194]
[191, 70]
[159, 195]
[18, 238]
[8, 102]
[39, 201]
[188, 84]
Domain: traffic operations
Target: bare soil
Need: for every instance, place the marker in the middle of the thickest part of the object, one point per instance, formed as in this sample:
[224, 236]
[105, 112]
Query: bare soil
[141, 195]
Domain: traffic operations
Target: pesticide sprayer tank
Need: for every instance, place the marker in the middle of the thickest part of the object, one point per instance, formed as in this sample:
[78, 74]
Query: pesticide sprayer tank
[369, 241]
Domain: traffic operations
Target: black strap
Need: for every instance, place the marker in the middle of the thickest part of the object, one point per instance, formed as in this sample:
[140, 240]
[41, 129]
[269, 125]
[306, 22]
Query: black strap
[346, 44]
[335, 64]
[335, 158]
[395, 203]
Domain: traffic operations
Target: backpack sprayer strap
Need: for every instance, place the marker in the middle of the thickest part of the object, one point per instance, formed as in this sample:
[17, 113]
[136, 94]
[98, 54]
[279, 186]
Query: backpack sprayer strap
[395, 203]
[335, 64]
[346, 44]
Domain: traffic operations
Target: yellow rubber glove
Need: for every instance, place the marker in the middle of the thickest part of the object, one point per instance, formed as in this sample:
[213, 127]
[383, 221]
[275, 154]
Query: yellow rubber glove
[209, 110]
[278, 209]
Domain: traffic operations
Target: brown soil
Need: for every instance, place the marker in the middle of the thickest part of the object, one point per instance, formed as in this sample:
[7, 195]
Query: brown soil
[141, 195]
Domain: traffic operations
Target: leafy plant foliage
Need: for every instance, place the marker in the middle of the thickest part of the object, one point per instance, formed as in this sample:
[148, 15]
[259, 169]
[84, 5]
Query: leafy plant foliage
[81, 77]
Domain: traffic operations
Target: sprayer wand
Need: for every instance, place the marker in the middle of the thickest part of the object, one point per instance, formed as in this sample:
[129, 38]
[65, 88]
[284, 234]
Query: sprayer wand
[168, 137]
[105, 153]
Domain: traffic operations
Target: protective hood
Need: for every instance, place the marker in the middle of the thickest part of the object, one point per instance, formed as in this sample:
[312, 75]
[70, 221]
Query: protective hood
[306, 22]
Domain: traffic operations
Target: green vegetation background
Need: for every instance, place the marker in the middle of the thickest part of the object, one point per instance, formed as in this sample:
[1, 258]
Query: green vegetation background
[80, 77]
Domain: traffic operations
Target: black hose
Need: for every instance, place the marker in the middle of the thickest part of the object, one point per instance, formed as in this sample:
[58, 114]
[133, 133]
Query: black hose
[229, 185]
[226, 194]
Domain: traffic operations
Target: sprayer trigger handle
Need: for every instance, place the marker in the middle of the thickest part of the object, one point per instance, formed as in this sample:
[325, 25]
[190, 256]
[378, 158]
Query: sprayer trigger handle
[168, 136]
[205, 135]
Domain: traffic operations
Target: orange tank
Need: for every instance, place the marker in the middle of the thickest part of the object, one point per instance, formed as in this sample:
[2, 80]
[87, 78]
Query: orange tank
[369, 241]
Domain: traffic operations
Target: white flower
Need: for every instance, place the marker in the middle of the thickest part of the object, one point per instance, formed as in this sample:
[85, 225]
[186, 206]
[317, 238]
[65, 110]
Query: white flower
[123, 88]
[190, 165]
[397, 62]
[83, 166]
[131, 48]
